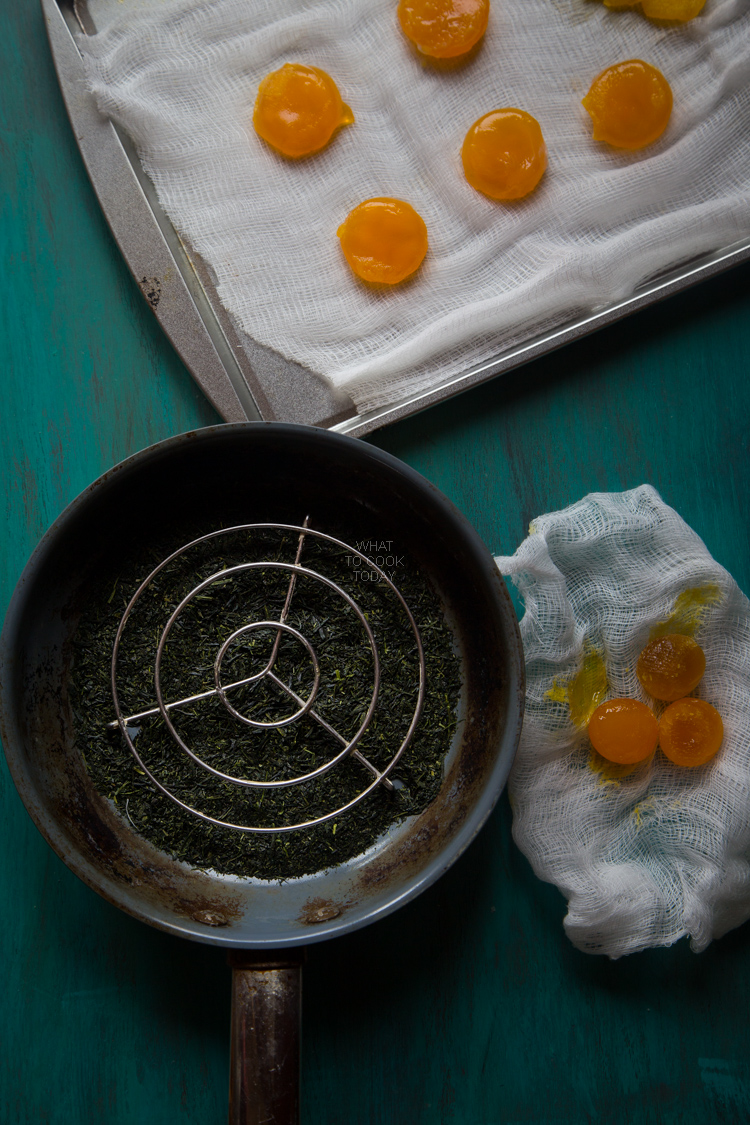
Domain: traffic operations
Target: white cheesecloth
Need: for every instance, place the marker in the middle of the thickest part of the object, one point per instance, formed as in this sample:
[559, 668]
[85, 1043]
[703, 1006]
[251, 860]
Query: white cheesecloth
[645, 854]
[182, 75]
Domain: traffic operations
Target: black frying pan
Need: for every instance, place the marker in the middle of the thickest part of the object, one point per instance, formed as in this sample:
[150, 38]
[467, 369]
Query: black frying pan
[254, 473]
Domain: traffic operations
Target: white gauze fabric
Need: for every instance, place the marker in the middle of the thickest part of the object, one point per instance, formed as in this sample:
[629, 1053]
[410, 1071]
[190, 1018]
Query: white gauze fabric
[182, 75]
[647, 856]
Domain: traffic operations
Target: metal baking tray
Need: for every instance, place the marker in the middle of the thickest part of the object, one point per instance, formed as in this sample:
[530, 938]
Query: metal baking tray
[245, 380]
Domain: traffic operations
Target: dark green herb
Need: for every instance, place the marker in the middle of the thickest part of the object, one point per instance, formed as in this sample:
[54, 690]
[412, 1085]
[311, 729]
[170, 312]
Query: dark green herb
[278, 753]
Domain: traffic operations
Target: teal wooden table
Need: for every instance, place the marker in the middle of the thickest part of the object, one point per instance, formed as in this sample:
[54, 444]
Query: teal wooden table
[469, 1006]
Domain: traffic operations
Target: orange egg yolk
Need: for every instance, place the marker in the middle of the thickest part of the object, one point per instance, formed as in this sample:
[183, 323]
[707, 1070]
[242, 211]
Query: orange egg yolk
[504, 155]
[681, 10]
[690, 732]
[298, 109]
[384, 240]
[623, 731]
[629, 104]
[670, 667]
[444, 29]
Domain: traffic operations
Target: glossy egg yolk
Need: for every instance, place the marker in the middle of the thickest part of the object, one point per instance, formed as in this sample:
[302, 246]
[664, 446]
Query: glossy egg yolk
[444, 29]
[629, 104]
[504, 155]
[384, 240]
[672, 9]
[623, 731]
[681, 10]
[298, 109]
[690, 732]
[670, 667]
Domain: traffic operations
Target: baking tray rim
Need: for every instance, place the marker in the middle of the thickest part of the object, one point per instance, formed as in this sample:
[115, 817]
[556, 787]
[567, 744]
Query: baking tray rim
[241, 387]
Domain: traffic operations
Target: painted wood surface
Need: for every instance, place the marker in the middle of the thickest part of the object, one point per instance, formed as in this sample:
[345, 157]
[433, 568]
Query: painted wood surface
[469, 1006]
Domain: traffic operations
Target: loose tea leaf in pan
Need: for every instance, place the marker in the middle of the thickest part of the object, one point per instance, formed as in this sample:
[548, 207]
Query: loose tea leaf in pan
[277, 753]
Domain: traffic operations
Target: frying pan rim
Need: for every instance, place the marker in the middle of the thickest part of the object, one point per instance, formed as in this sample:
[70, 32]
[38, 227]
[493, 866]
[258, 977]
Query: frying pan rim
[445, 857]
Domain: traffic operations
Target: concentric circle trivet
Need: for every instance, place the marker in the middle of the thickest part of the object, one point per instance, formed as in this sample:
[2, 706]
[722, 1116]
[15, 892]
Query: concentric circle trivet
[273, 677]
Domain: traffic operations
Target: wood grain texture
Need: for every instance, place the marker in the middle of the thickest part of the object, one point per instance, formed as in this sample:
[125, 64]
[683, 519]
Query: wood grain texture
[469, 1006]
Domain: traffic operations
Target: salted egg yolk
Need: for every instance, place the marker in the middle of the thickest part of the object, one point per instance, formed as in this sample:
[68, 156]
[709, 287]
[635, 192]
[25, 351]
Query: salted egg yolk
[670, 667]
[690, 732]
[681, 10]
[444, 29]
[672, 9]
[298, 109]
[629, 104]
[384, 240]
[623, 731]
[504, 155]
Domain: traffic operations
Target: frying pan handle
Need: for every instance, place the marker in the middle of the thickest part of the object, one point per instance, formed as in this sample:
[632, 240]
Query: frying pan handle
[265, 1043]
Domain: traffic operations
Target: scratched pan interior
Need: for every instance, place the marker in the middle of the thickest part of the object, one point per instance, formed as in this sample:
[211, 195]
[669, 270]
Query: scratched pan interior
[249, 473]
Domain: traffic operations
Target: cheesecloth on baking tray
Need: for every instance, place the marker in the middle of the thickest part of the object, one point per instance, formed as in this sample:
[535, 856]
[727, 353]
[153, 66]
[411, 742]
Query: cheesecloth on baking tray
[644, 854]
[182, 75]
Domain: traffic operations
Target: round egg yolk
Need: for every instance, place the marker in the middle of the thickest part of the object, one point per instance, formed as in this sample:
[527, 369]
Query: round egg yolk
[670, 667]
[681, 10]
[298, 109]
[629, 104]
[504, 155]
[384, 240]
[690, 732]
[444, 29]
[623, 731]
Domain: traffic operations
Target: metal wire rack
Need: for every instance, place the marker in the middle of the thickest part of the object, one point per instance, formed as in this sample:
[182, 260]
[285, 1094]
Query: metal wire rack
[260, 641]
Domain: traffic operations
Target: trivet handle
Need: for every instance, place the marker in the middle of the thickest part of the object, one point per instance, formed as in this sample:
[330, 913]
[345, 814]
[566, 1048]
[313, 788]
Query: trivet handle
[265, 1044]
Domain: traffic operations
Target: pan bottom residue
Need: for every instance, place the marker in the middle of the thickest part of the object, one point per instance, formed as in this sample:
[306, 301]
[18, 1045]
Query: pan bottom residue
[291, 698]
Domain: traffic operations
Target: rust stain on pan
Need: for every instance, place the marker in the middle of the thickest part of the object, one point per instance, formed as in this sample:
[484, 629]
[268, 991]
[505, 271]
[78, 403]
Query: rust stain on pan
[210, 917]
[88, 831]
[132, 861]
[318, 910]
[151, 289]
[94, 828]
